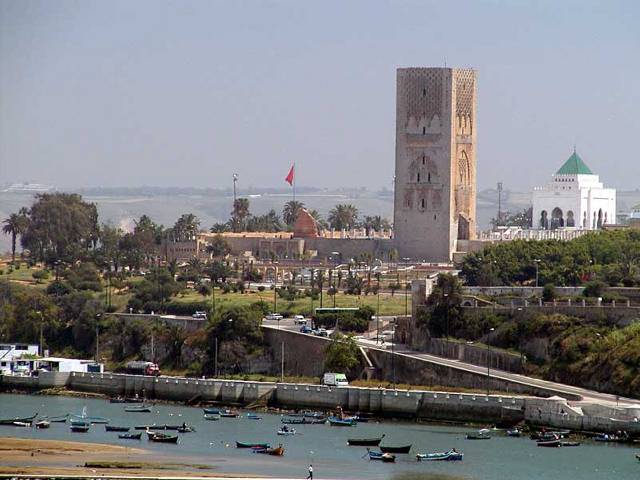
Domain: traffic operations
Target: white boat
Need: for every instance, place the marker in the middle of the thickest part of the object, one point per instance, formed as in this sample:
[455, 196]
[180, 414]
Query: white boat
[212, 416]
[287, 431]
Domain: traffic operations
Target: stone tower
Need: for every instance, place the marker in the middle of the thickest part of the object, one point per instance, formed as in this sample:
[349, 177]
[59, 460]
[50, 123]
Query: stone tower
[435, 181]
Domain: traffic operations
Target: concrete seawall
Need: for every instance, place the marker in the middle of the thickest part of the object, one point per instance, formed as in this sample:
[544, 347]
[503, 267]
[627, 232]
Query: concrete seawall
[418, 404]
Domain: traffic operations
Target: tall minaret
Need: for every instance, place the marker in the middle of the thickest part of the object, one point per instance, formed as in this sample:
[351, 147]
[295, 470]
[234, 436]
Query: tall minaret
[435, 176]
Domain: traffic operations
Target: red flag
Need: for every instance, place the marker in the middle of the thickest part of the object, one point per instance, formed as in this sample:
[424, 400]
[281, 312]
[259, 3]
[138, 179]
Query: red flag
[289, 177]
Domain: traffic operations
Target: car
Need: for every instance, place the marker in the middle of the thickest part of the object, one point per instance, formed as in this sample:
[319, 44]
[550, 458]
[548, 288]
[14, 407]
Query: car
[274, 316]
[306, 329]
[321, 332]
[202, 315]
[299, 320]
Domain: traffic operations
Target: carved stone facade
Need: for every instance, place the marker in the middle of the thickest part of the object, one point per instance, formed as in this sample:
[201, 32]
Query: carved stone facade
[435, 176]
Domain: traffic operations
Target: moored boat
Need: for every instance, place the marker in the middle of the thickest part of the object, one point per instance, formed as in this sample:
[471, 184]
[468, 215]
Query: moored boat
[58, 419]
[383, 457]
[186, 429]
[285, 430]
[483, 434]
[84, 418]
[451, 455]
[364, 442]
[43, 424]
[162, 437]
[81, 427]
[212, 416]
[276, 452]
[303, 421]
[130, 436]
[394, 449]
[570, 444]
[21, 424]
[113, 428]
[148, 427]
[342, 422]
[211, 411]
[548, 443]
[138, 409]
[11, 421]
[514, 433]
[252, 445]
[228, 413]
[253, 416]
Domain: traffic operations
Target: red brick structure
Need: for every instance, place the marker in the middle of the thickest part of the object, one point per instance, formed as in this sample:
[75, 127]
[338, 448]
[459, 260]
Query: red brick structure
[305, 225]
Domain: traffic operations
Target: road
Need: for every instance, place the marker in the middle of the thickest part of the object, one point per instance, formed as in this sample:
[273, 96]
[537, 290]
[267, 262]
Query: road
[588, 396]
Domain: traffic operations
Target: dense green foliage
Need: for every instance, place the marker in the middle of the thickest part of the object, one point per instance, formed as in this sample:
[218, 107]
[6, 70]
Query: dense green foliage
[611, 256]
[341, 355]
[348, 321]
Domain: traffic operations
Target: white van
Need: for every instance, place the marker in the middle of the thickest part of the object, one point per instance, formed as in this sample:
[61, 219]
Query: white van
[335, 379]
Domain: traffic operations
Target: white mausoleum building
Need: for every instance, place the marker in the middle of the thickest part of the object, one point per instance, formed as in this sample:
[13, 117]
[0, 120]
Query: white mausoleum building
[574, 198]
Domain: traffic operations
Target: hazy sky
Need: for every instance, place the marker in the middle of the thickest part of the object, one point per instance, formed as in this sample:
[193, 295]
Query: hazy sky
[184, 93]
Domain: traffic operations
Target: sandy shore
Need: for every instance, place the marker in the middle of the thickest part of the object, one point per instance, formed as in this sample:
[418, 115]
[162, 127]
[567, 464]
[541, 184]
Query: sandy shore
[52, 457]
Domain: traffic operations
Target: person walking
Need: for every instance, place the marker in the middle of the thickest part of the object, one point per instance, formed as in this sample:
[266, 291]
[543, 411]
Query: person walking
[310, 476]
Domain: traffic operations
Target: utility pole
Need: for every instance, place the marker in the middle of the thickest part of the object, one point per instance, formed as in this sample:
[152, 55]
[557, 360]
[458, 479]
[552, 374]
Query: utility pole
[499, 203]
[41, 342]
[97, 338]
[393, 357]
[215, 359]
[282, 365]
[489, 360]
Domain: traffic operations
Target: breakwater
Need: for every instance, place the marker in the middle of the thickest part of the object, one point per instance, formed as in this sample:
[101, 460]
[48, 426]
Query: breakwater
[418, 404]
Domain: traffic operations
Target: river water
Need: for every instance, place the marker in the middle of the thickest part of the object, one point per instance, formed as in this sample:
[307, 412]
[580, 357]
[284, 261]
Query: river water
[325, 447]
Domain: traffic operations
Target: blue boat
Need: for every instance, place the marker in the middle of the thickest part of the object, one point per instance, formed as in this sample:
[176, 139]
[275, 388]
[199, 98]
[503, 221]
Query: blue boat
[451, 455]
[383, 457]
[253, 416]
[342, 422]
[211, 411]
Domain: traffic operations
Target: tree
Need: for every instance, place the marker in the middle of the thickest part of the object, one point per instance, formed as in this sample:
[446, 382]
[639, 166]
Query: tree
[445, 301]
[269, 222]
[548, 292]
[239, 214]
[375, 223]
[220, 227]
[521, 219]
[290, 212]
[15, 225]
[341, 355]
[109, 253]
[185, 228]
[218, 247]
[61, 227]
[343, 216]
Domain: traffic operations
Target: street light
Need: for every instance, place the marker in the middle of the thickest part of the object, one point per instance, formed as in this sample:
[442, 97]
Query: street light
[489, 359]
[446, 302]
[393, 355]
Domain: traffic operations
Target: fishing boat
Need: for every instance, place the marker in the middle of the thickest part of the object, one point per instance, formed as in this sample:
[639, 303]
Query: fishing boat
[570, 444]
[117, 400]
[162, 437]
[252, 445]
[149, 427]
[186, 429]
[285, 430]
[548, 443]
[81, 427]
[276, 452]
[401, 449]
[342, 422]
[11, 421]
[130, 436]
[303, 421]
[542, 435]
[138, 409]
[113, 428]
[613, 438]
[514, 433]
[383, 457]
[484, 434]
[43, 424]
[637, 456]
[21, 424]
[212, 416]
[364, 442]
[211, 411]
[83, 417]
[227, 413]
[253, 416]
[451, 455]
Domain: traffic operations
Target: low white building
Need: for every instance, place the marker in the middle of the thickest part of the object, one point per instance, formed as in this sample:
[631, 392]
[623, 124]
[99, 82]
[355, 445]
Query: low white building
[59, 364]
[17, 358]
[574, 198]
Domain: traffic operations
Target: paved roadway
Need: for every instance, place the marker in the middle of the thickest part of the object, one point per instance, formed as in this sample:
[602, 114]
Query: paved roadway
[588, 396]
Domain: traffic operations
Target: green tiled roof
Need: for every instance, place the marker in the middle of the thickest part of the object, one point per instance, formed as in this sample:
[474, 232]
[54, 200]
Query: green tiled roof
[574, 166]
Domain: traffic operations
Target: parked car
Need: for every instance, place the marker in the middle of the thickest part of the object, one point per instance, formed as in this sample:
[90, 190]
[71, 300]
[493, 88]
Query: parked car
[299, 320]
[274, 316]
[321, 332]
[306, 329]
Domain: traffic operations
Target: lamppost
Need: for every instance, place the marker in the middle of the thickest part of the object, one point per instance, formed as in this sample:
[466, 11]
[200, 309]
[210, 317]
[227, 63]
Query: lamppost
[489, 359]
[41, 337]
[406, 290]
[537, 262]
[378, 309]
[98, 337]
[446, 303]
[393, 356]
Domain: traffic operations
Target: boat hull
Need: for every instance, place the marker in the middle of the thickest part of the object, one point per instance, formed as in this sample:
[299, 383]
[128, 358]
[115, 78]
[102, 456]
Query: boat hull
[401, 449]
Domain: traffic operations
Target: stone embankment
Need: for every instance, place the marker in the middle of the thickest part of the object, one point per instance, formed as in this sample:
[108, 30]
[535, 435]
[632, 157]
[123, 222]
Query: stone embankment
[420, 404]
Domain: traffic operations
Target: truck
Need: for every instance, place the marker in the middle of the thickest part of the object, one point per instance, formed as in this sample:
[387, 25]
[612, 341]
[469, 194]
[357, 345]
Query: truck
[335, 379]
[140, 367]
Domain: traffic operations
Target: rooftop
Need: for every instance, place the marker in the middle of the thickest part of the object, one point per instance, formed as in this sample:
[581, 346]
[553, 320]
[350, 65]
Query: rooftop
[574, 166]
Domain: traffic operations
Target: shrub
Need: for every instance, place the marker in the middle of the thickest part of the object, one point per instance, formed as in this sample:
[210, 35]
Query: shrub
[548, 292]
[594, 288]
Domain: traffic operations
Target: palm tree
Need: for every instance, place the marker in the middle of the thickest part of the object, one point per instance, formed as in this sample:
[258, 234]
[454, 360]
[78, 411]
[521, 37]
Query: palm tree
[240, 213]
[186, 227]
[290, 211]
[15, 225]
[343, 216]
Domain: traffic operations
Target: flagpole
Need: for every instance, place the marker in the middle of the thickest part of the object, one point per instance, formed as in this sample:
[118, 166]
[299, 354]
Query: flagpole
[294, 181]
